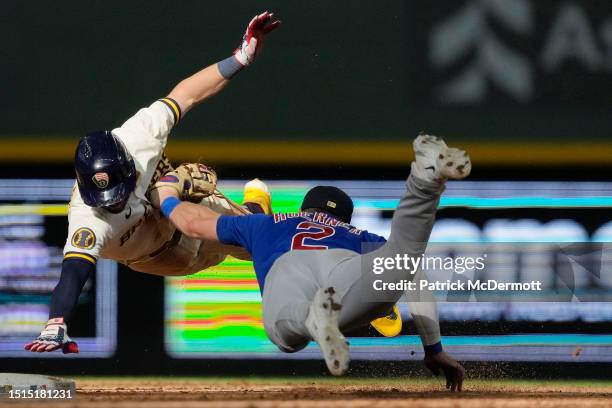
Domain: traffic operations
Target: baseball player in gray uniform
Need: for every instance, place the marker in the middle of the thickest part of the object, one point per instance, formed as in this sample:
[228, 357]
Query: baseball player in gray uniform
[316, 270]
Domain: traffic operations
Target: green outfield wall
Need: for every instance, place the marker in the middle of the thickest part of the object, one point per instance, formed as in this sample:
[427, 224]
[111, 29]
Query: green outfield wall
[343, 71]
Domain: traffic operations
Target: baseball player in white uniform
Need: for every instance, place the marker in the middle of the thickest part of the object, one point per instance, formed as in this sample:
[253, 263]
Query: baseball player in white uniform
[113, 210]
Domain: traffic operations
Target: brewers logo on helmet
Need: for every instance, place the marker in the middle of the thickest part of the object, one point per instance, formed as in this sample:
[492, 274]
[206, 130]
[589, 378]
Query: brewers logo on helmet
[100, 180]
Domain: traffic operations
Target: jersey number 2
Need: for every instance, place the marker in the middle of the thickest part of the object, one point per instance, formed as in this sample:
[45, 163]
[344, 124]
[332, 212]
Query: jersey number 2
[314, 231]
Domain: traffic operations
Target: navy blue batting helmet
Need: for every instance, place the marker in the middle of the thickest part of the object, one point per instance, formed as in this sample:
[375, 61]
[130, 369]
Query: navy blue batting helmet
[105, 170]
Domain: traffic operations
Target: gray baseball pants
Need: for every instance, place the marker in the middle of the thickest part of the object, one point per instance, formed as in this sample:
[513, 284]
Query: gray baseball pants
[296, 276]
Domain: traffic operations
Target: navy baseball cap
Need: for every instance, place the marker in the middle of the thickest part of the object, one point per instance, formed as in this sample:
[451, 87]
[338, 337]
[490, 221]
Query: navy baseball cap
[331, 200]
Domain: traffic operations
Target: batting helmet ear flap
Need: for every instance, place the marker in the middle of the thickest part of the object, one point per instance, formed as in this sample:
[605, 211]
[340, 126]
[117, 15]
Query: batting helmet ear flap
[106, 173]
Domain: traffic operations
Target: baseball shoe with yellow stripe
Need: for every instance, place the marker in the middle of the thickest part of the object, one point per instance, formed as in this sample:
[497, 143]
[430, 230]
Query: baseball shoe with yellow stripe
[389, 325]
[257, 194]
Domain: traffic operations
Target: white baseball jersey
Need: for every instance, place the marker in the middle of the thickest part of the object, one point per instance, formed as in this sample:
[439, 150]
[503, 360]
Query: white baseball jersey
[140, 236]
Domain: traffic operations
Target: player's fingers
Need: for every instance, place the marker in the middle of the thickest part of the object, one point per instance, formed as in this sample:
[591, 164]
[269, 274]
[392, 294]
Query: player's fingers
[35, 346]
[43, 346]
[261, 20]
[40, 348]
[51, 347]
[272, 26]
[451, 379]
[457, 378]
[250, 28]
[460, 377]
[28, 346]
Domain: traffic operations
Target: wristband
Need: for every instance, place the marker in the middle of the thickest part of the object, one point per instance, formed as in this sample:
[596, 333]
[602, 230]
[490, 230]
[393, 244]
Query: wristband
[433, 349]
[169, 205]
[229, 67]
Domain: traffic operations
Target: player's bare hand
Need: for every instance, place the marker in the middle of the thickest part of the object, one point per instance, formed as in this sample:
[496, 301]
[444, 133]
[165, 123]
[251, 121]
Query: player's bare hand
[454, 372]
[252, 42]
[54, 336]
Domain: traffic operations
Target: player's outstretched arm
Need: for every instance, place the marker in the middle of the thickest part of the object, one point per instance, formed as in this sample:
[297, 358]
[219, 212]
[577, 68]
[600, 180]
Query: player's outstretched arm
[422, 305]
[75, 273]
[195, 221]
[212, 79]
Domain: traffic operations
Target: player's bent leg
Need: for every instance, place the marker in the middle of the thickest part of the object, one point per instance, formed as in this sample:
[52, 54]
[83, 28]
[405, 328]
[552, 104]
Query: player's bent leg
[322, 323]
[410, 231]
[411, 227]
[175, 258]
[434, 163]
[289, 289]
[296, 310]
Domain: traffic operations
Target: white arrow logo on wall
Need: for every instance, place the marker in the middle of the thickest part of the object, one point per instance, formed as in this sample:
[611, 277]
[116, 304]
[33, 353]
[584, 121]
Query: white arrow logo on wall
[494, 62]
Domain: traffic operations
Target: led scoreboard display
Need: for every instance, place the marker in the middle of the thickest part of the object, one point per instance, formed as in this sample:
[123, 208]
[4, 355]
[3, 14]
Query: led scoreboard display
[33, 225]
[524, 227]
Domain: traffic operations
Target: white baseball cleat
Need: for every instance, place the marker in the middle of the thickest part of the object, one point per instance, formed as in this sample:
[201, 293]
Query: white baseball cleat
[322, 323]
[435, 161]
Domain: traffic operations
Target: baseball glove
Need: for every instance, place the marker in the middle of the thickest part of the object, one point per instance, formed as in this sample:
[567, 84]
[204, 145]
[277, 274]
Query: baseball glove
[191, 181]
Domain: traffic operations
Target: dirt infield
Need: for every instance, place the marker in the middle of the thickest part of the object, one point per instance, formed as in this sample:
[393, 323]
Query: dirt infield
[306, 392]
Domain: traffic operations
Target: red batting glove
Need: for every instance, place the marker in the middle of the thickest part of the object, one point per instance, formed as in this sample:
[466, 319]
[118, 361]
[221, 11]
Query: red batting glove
[252, 41]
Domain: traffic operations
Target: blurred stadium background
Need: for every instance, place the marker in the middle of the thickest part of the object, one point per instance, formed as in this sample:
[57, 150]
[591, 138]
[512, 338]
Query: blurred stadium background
[338, 95]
